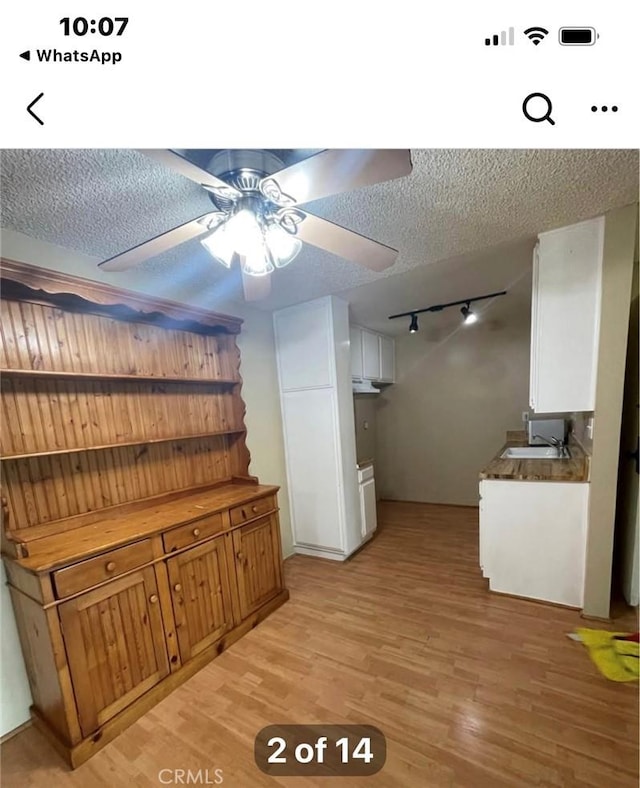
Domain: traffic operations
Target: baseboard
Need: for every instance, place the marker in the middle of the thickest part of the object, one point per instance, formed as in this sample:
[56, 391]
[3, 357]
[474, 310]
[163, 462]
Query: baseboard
[317, 552]
[429, 503]
[545, 602]
[15, 731]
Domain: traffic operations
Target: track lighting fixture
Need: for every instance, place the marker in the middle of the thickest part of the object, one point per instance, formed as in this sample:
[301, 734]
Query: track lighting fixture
[468, 315]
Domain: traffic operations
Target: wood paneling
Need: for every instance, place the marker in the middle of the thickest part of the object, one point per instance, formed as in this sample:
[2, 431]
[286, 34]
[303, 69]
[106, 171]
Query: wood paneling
[201, 597]
[36, 336]
[258, 570]
[42, 489]
[40, 415]
[115, 644]
[32, 284]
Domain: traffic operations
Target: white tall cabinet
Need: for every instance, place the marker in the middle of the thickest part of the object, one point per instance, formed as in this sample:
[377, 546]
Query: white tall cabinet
[314, 371]
[565, 317]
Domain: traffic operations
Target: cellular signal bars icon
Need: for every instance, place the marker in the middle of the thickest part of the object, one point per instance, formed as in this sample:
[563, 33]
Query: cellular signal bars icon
[504, 39]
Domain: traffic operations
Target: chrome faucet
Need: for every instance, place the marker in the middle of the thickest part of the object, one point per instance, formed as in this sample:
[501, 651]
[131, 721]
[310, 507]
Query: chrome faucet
[554, 442]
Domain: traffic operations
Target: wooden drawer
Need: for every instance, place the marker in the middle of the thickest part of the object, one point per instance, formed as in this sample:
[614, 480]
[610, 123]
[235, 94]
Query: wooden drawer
[248, 511]
[192, 532]
[103, 567]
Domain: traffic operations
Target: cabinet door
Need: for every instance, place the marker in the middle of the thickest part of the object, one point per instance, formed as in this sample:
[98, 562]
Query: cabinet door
[115, 646]
[370, 356]
[387, 359]
[258, 563]
[201, 597]
[566, 318]
[368, 507]
[355, 342]
[533, 537]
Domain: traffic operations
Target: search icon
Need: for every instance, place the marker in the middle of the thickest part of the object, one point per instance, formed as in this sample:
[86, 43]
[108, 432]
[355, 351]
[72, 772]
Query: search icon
[542, 108]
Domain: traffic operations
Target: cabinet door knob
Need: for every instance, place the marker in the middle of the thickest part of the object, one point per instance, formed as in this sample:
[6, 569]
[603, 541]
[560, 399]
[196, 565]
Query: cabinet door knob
[153, 599]
[254, 509]
[196, 532]
[110, 566]
[219, 589]
[177, 587]
[240, 556]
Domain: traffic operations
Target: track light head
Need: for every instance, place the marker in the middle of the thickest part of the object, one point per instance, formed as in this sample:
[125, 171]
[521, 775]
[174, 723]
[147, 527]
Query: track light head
[414, 324]
[469, 316]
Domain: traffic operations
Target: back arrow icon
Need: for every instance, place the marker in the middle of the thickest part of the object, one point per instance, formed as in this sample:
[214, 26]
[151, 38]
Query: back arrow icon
[33, 114]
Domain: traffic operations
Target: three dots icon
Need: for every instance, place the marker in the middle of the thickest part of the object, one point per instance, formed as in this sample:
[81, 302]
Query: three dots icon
[604, 108]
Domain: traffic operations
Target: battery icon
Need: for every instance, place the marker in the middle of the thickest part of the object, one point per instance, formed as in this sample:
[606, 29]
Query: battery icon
[577, 36]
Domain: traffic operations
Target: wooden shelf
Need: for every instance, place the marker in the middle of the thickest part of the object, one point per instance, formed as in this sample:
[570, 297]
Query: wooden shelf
[81, 449]
[47, 373]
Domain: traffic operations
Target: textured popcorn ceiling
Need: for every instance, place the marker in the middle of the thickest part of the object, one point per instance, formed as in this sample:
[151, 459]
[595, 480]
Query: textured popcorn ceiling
[456, 203]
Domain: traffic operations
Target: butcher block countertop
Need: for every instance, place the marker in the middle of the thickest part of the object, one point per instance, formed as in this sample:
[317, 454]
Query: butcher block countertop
[573, 469]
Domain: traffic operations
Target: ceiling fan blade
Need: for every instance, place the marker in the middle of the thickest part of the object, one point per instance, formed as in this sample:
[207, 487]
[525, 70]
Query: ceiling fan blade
[335, 171]
[256, 288]
[182, 166]
[345, 243]
[161, 243]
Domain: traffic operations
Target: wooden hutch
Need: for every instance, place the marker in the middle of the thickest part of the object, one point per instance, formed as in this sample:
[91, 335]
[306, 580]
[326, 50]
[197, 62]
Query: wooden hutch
[137, 547]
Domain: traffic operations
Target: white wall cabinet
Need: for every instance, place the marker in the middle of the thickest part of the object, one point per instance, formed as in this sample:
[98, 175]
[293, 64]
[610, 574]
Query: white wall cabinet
[314, 373]
[533, 538]
[565, 318]
[387, 359]
[372, 355]
[355, 342]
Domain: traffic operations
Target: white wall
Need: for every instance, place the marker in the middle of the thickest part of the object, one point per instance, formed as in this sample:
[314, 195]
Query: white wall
[259, 391]
[15, 697]
[458, 390]
[620, 235]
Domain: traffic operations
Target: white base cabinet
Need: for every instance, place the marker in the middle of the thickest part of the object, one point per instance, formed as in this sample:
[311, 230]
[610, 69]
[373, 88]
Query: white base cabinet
[368, 504]
[533, 539]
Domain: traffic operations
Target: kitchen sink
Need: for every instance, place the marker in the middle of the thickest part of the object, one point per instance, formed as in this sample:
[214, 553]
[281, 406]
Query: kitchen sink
[534, 453]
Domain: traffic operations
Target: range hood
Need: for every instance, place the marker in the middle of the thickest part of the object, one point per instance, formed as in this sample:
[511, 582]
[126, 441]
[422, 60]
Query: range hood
[364, 387]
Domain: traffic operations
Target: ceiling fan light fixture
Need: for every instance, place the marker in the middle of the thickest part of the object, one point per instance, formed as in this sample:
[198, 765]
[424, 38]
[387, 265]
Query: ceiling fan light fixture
[283, 246]
[220, 245]
[257, 263]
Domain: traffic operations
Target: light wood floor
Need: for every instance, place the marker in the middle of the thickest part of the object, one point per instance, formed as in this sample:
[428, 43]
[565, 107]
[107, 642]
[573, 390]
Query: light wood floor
[470, 689]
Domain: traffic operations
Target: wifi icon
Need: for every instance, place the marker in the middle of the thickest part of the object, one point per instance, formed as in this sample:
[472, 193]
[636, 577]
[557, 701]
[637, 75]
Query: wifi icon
[536, 34]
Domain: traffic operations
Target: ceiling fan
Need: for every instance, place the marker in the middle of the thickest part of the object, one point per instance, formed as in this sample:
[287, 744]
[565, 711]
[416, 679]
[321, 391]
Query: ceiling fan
[256, 220]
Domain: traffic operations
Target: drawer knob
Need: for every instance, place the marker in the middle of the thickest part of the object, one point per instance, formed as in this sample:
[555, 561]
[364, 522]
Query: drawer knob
[254, 509]
[240, 556]
[219, 589]
[153, 599]
[110, 566]
[177, 587]
[196, 532]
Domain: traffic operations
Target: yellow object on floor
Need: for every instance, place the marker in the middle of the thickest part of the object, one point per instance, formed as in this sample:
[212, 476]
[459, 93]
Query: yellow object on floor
[615, 659]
